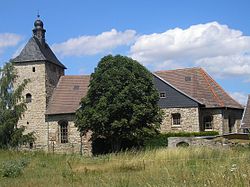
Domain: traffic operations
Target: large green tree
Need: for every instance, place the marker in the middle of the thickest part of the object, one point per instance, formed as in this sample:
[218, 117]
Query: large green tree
[12, 108]
[121, 103]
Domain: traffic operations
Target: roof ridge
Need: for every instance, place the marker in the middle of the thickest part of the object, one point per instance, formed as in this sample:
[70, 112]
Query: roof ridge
[206, 76]
[189, 68]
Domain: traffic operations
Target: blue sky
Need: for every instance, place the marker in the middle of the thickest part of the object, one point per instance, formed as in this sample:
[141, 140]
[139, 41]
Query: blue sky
[160, 34]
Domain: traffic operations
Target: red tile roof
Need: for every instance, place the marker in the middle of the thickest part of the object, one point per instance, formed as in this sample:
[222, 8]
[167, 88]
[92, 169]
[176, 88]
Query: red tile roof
[246, 116]
[196, 83]
[67, 95]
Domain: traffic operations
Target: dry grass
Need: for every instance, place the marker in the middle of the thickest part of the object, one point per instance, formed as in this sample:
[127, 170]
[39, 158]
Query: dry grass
[163, 167]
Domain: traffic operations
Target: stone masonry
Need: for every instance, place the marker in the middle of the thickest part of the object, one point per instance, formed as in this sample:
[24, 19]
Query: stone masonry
[75, 142]
[189, 120]
[34, 118]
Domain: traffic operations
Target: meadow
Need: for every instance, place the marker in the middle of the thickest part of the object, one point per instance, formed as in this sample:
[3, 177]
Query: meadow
[160, 167]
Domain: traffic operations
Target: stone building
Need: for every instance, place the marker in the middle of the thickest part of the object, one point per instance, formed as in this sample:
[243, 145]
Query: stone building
[193, 101]
[190, 98]
[245, 125]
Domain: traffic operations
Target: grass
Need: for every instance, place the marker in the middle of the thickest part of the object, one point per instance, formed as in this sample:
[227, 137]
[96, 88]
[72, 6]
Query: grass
[162, 167]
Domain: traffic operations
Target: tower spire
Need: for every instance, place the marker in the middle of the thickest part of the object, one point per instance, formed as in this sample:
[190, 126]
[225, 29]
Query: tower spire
[39, 31]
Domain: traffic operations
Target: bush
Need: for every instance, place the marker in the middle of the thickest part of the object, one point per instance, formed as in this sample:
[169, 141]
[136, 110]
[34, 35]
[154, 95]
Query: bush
[13, 168]
[161, 140]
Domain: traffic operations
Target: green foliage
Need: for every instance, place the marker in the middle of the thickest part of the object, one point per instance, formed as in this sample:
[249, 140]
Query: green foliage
[121, 103]
[12, 108]
[13, 168]
[161, 140]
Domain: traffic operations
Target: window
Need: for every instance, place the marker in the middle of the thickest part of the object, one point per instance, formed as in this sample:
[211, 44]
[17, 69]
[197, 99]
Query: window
[76, 87]
[162, 94]
[208, 122]
[64, 131]
[187, 79]
[33, 69]
[176, 119]
[28, 98]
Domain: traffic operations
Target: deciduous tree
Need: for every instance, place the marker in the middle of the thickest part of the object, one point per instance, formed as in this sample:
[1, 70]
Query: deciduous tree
[12, 108]
[121, 103]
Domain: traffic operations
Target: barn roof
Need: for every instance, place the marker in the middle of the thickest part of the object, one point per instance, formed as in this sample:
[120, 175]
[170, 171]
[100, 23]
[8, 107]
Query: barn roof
[196, 83]
[67, 95]
[245, 124]
[193, 82]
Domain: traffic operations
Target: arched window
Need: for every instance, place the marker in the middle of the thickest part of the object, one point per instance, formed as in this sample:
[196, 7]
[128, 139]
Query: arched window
[176, 119]
[28, 98]
[208, 122]
[63, 131]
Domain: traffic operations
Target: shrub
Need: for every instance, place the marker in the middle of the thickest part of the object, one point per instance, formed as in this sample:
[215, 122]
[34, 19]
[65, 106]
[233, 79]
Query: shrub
[13, 168]
[161, 140]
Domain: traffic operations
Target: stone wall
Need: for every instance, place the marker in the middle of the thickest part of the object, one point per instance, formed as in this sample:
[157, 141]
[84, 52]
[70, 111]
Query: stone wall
[75, 142]
[34, 118]
[222, 119]
[192, 141]
[53, 74]
[189, 120]
[232, 118]
[217, 123]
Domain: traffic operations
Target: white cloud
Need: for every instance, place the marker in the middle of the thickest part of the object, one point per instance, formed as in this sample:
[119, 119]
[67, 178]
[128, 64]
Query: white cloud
[231, 65]
[91, 45]
[218, 48]
[240, 97]
[8, 40]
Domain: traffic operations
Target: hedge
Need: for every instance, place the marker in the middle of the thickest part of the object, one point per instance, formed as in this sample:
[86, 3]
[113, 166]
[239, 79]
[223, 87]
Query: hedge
[161, 140]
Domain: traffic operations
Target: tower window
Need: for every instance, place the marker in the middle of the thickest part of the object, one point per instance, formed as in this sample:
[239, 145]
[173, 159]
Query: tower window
[33, 69]
[28, 98]
[64, 131]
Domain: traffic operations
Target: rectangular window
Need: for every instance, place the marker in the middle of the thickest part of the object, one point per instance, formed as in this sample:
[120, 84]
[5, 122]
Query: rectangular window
[64, 132]
[208, 122]
[176, 119]
[187, 79]
[162, 94]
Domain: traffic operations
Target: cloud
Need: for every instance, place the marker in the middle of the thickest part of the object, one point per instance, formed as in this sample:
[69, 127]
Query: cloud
[91, 45]
[218, 48]
[240, 97]
[8, 40]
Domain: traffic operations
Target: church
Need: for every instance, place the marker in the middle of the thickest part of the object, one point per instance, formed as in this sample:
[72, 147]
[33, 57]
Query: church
[191, 99]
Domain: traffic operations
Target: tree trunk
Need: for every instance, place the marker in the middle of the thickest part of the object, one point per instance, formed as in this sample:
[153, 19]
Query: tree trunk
[116, 145]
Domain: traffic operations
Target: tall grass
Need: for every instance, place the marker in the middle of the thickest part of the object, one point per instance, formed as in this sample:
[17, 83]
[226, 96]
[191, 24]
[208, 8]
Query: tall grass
[162, 167]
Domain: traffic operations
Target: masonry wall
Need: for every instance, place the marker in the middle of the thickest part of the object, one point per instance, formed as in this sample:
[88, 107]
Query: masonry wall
[74, 139]
[217, 123]
[53, 74]
[189, 120]
[232, 119]
[34, 118]
[224, 120]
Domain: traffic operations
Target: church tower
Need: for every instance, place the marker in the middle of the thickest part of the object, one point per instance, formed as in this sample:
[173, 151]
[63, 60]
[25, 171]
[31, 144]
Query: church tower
[39, 64]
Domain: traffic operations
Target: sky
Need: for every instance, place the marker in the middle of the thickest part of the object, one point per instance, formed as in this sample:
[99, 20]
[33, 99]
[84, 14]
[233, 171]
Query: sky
[160, 34]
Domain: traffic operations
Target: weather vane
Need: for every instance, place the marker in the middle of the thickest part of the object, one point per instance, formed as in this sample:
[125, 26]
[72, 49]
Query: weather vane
[38, 15]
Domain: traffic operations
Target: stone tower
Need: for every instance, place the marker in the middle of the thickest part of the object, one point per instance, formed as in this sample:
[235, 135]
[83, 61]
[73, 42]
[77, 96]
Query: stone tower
[38, 63]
